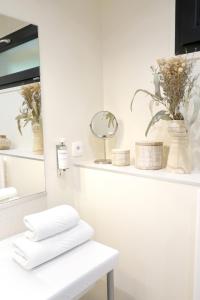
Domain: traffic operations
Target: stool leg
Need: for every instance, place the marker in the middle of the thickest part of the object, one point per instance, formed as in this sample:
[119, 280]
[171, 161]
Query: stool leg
[110, 286]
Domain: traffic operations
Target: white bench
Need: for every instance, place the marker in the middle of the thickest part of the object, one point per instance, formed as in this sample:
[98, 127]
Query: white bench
[66, 277]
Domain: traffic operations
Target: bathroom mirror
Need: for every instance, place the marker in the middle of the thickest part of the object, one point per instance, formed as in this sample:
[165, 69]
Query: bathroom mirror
[21, 134]
[104, 126]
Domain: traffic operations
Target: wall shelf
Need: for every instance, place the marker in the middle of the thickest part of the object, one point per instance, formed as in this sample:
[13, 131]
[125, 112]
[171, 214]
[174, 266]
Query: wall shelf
[21, 154]
[4, 204]
[190, 179]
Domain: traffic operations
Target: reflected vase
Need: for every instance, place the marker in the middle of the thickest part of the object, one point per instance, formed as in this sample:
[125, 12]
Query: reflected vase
[37, 138]
[179, 159]
[4, 142]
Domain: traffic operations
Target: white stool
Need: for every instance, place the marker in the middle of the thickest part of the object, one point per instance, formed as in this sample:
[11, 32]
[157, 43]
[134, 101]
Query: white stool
[66, 277]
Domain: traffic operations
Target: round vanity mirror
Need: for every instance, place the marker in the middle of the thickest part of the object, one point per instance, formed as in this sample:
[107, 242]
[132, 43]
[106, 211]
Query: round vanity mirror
[104, 125]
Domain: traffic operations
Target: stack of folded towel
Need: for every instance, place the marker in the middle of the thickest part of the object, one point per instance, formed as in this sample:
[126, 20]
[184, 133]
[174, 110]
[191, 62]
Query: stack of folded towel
[50, 233]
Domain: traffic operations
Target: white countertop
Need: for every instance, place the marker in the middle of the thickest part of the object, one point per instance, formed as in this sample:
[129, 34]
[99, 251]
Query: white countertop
[190, 179]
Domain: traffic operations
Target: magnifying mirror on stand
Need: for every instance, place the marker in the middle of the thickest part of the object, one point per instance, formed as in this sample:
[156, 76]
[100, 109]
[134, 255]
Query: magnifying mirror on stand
[104, 126]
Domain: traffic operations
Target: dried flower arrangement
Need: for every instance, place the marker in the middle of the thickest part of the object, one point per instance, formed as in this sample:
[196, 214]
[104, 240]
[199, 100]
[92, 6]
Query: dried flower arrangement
[174, 83]
[30, 110]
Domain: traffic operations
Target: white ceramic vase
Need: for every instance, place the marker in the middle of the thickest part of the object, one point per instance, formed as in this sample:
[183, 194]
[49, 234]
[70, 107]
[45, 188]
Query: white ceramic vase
[159, 132]
[37, 138]
[179, 159]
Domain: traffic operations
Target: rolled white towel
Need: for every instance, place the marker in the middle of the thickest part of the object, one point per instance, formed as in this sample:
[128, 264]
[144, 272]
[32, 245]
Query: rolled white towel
[30, 254]
[7, 193]
[50, 222]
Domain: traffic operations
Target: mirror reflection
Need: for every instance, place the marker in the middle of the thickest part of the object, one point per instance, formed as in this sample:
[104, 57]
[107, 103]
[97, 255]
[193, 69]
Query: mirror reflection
[104, 126]
[21, 134]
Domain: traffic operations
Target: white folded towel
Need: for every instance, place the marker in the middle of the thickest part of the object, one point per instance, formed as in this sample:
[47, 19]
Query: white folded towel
[31, 254]
[7, 193]
[50, 222]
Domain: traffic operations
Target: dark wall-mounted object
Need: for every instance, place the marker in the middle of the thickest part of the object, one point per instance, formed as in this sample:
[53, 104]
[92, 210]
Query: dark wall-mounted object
[13, 40]
[20, 78]
[187, 26]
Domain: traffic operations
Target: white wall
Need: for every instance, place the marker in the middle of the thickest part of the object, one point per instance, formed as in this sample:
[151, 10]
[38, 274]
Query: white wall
[70, 52]
[134, 34]
[152, 224]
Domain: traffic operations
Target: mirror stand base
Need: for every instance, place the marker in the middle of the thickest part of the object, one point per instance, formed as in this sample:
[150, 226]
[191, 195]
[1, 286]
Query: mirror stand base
[103, 161]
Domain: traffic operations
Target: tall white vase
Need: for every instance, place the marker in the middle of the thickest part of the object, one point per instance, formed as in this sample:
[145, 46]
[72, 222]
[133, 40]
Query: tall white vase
[37, 138]
[159, 132]
[179, 159]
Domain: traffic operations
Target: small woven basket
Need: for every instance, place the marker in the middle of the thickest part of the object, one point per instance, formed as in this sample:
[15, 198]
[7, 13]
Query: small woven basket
[120, 157]
[149, 155]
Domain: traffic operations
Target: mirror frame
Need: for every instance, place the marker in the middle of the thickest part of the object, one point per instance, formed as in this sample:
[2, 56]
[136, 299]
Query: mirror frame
[103, 137]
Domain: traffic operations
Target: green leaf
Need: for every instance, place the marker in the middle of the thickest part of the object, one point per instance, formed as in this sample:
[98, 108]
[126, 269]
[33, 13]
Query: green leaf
[19, 126]
[26, 122]
[154, 97]
[21, 117]
[161, 115]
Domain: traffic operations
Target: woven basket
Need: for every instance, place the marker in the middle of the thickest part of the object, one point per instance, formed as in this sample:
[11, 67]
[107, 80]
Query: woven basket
[149, 155]
[121, 157]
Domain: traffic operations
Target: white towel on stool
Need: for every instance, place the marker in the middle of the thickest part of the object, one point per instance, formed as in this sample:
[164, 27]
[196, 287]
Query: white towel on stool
[50, 222]
[7, 193]
[31, 254]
